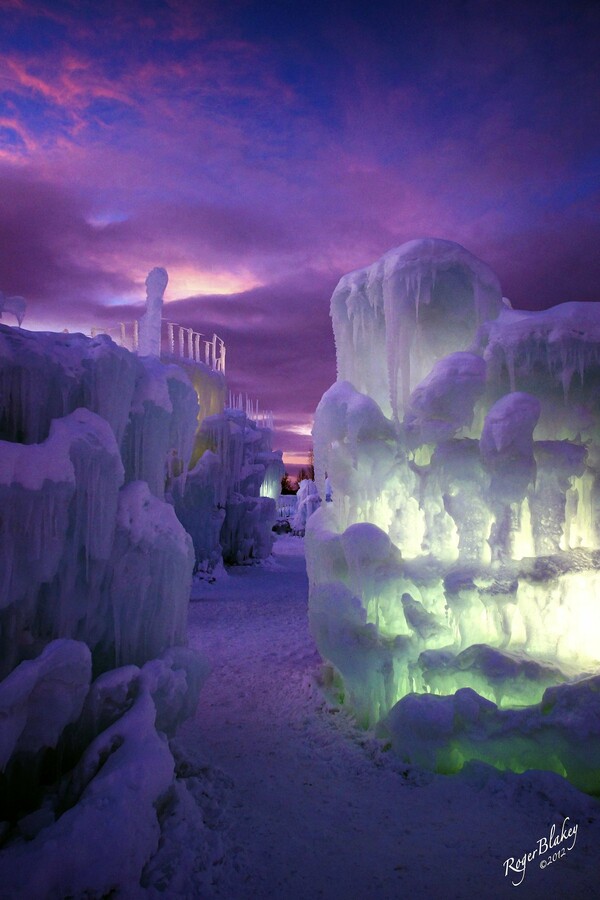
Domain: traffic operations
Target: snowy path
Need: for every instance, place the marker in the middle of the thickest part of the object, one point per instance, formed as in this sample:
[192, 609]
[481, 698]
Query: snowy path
[316, 810]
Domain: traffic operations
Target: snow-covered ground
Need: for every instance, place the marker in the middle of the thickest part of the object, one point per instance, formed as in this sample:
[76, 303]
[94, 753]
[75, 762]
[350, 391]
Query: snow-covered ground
[305, 805]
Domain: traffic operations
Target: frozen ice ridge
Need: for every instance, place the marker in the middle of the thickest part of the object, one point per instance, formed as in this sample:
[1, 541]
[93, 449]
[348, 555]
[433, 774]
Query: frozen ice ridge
[461, 550]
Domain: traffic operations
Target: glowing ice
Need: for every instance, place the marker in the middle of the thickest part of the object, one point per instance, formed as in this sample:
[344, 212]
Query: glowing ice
[461, 440]
[394, 319]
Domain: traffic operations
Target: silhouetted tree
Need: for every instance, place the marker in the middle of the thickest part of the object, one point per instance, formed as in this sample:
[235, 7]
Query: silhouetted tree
[308, 472]
[287, 485]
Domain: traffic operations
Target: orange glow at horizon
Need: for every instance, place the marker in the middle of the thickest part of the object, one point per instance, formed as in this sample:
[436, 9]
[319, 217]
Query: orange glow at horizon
[295, 459]
[188, 282]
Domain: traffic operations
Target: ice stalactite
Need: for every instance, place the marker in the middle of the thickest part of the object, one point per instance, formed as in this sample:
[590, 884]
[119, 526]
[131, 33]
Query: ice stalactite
[61, 547]
[415, 305]
[44, 376]
[161, 427]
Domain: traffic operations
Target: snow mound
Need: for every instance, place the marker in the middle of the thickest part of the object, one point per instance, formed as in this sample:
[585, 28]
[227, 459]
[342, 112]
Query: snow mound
[560, 734]
[105, 823]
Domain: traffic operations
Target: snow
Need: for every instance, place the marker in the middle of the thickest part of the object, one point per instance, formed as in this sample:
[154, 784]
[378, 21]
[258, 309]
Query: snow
[95, 833]
[41, 697]
[316, 807]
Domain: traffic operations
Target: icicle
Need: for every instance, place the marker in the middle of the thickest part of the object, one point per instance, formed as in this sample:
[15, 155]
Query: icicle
[510, 365]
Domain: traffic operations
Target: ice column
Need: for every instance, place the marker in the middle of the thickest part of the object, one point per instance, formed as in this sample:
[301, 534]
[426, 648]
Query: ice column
[149, 339]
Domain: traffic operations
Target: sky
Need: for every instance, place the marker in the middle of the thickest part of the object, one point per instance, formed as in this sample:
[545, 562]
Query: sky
[259, 150]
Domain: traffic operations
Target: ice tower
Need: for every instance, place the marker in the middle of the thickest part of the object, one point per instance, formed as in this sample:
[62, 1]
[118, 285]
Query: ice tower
[455, 577]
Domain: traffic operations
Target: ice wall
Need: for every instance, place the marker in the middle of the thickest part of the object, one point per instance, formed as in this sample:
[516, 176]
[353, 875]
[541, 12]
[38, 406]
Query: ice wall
[461, 440]
[95, 575]
[307, 501]
[225, 501]
[211, 389]
[151, 408]
[89, 548]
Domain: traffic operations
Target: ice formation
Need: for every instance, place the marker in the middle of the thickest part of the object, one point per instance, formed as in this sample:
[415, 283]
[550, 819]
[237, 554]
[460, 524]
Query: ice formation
[225, 501]
[95, 573]
[307, 501]
[95, 830]
[394, 319]
[150, 323]
[82, 480]
[15, 305]
[461, 549]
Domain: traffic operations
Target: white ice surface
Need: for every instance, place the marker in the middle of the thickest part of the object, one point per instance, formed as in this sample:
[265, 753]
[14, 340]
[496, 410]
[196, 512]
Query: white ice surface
[41, 697]
[227, 501]
[392, 320]
[307, 502]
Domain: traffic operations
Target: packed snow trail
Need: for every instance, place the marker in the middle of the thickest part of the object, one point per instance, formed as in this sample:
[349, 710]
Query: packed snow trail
[315, 808]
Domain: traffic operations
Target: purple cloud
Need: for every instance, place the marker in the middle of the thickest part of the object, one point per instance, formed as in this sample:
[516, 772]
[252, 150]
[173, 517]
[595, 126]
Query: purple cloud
[260, 151]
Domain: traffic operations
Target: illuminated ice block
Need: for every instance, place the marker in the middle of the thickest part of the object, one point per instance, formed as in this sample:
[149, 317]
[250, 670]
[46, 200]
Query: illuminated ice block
[462, 443]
